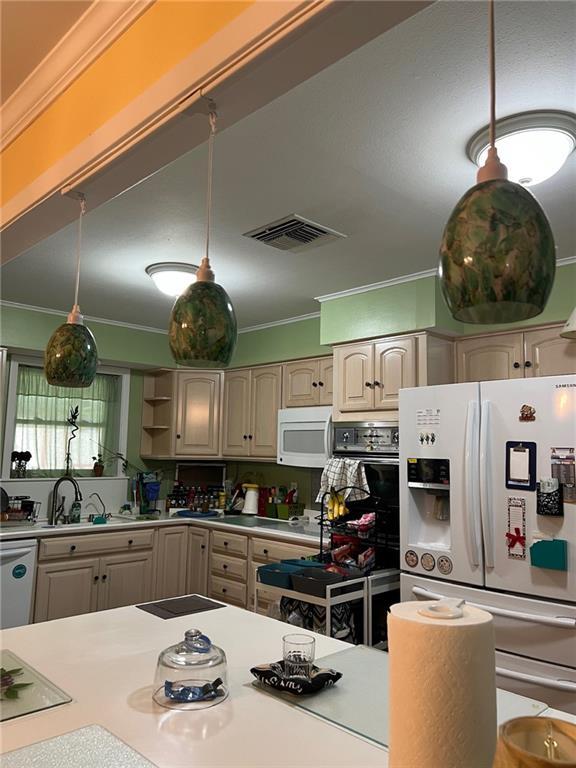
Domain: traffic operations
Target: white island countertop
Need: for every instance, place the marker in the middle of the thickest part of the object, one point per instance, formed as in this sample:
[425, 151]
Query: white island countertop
[106, 662]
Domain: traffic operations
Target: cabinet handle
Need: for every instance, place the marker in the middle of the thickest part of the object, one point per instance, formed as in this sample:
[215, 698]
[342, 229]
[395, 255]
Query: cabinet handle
[320, 383]
[96, 578]
[377, 384]
[72, 547]
[516, 365]
[314, 384]
[130, 541]
[104, 577]
[527, 364]
[368, 384]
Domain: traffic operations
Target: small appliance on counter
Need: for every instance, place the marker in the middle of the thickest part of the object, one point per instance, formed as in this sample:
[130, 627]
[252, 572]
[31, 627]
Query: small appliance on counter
[250, 499]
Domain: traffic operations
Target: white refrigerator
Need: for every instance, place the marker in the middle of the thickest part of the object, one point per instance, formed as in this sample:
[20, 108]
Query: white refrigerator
[488, 514]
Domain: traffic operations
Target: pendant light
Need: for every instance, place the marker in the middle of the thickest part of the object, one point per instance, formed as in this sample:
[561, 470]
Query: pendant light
[202, 331]
[497, 256]
[71, 357]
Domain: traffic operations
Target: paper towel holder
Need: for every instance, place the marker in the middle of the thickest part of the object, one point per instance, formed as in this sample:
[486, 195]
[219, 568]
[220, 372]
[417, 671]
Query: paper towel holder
[447, 608]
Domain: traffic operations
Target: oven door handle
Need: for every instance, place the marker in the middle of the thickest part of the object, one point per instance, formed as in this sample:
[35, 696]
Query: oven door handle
[327, 436]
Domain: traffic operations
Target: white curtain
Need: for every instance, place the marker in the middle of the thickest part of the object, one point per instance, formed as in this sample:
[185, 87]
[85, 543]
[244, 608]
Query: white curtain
[41, 423]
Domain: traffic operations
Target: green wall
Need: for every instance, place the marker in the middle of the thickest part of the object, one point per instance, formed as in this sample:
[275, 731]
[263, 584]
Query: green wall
[419, 305]
[281, 342]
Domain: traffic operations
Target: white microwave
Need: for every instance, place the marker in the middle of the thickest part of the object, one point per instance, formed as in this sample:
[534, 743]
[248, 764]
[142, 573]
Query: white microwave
[304, 436]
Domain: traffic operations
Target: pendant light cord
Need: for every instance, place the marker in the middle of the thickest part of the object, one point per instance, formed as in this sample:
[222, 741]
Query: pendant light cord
[212, 116]
[82, 200]
[492, 56]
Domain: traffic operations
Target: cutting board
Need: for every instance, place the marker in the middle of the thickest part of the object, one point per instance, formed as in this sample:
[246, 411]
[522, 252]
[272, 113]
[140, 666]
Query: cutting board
[42, 694]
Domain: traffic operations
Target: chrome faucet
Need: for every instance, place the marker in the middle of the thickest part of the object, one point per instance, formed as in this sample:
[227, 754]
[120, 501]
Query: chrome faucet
[91, 517]
[54, 511]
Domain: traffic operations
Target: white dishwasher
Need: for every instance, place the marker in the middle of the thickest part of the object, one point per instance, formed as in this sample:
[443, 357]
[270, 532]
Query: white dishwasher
[17, 575]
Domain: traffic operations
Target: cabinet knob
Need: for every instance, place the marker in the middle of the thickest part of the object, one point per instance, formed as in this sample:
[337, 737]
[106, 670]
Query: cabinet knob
[314, 384]
[377, 384]
[177, 437]
[96, 578]
[368, 384]
[224, 590]
[249, 437]
[245, 437]
[130, 541]
[265, 551]
[225, 543]
[320, 383]
[104, 577]
[72, 547]
[225, 566]
[202, 546]
[516, 365]
[527, 364]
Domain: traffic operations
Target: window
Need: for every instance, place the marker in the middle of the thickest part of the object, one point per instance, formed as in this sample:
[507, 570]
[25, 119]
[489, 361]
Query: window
[40, 413]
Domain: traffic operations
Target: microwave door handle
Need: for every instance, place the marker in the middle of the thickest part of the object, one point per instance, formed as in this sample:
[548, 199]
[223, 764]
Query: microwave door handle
[485, 485]
[471, 481]
[328, 436]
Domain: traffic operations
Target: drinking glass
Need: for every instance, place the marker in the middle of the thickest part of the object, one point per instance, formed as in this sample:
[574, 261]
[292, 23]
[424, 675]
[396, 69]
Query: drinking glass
[298, 655]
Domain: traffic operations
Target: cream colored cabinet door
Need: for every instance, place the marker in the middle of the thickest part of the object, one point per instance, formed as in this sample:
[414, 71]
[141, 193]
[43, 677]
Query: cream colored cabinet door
[326, 380]
[66, 588]
[125, 579]
[197, 422]
[301, 383]
[546, 353]
[171, 558]
[490, 358]
[353, 377]
[198, 542]
[236, 417]
[394, 369]
[266, 397]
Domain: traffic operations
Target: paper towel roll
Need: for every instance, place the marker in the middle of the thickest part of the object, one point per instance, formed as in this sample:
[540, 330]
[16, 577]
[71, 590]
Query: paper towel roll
[442, 688]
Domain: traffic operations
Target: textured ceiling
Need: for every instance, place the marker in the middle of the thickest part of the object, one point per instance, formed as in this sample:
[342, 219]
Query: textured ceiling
[373, 146]
[29, 30]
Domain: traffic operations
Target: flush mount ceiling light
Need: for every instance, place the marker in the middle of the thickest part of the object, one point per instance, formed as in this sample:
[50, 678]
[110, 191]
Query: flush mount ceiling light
[497, 255]
[532, 145]
[202, 331]
[172, 277]
[71, 357]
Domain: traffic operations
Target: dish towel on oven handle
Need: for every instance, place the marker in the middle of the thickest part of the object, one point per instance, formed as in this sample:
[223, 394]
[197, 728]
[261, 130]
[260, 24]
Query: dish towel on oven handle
[339, 473]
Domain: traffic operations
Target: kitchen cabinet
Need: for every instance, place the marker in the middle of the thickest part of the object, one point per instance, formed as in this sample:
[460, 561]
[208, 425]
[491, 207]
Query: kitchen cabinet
[158, 403]
[198, 411]
[308, 382]
[198, 555]
[171, 557]
[125, 579]
[228, 567]
[539, 352]
[252, 398]
[66, 588]
[369, 375]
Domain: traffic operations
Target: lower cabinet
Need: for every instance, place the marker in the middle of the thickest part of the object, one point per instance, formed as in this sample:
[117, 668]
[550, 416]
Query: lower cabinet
[171, 557]
[66, 588]
[198, 550]
[125, 579]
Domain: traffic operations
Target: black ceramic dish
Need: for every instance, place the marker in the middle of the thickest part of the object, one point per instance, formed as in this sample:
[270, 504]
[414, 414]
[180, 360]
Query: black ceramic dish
[273, 676]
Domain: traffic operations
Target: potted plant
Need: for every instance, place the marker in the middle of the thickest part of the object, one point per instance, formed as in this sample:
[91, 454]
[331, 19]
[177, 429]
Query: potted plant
[98, 468]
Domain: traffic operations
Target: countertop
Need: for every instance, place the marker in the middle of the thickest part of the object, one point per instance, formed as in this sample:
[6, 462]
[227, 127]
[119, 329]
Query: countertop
[305, 533]
[106, 662]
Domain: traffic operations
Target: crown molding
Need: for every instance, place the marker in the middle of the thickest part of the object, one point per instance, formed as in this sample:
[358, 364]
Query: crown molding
[101, 24]
[377, 286]
[274, 323]
[88, 318]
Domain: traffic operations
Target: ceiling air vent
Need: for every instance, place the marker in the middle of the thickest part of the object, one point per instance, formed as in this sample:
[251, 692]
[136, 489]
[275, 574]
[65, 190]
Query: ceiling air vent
[293, 233]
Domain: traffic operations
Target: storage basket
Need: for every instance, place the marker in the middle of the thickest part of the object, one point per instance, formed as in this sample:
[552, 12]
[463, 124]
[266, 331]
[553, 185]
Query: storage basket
[278, 574]
[313, 581]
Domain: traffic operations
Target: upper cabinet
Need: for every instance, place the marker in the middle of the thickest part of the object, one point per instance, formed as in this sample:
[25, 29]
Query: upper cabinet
[197, 418]
[308, 382]
[541, 352]
[252, 398]
[370, 375]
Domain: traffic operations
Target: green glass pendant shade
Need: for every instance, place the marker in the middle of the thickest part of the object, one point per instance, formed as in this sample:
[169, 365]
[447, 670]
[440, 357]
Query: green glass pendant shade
[71, 357]
[203, 331]
[497, 256]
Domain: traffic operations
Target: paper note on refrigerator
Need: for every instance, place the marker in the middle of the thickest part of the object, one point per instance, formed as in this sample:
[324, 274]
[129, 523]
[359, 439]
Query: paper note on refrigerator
[519, 464]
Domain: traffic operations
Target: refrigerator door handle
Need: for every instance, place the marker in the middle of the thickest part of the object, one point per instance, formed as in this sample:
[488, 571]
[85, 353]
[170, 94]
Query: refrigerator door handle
[485, 484]
[549, 682]
[471, 483]
[537, 618]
